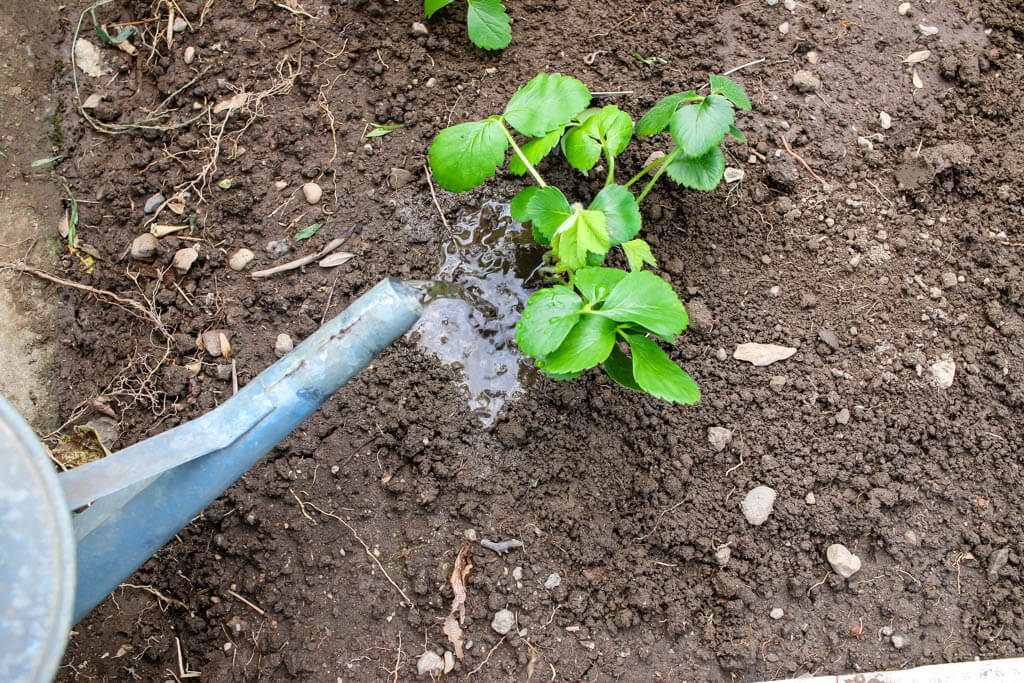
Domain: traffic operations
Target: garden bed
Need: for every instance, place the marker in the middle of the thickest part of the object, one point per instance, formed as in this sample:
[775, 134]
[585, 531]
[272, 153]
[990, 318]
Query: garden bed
[894, 249]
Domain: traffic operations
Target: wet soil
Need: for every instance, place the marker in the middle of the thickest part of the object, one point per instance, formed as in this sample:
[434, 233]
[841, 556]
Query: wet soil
[906, 253]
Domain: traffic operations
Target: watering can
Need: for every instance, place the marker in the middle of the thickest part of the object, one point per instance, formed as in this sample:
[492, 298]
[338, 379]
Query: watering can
[56, 566]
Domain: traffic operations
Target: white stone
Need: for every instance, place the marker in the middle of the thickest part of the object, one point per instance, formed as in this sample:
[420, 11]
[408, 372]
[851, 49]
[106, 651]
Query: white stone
[312, 192]
[419, 29]
[842, 560]
[733, 175]
[758, 504]
[885, 120]
[899, 641]
[184, 258]
[503, 621]
[903, 9]
[927, 30]
[943, 373]
[784, 28]
[762, 354]
[554, 581]
[719, 437]
[810, 498]
[789, 4]
[179, 24]
[190, 54]
[283, 345]
[776, 613]
[430, 664]
[89, 59]
[240, 259]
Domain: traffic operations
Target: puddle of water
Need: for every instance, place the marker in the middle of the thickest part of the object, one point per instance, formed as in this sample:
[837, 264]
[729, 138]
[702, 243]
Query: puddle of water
[486, 265]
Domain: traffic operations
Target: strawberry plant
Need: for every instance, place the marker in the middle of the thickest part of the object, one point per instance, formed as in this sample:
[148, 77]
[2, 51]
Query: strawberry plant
[591, 315]
[487, 21]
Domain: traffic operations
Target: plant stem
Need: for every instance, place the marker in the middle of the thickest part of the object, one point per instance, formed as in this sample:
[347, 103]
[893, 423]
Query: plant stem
[672, 155]
[646, 170]
[611, 167]
[522, 157]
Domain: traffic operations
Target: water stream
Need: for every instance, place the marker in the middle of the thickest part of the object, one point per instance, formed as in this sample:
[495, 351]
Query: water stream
[476, 297]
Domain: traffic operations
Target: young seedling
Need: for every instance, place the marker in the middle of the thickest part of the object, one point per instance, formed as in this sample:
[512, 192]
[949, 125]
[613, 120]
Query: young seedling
[594, 314]
[487, 21]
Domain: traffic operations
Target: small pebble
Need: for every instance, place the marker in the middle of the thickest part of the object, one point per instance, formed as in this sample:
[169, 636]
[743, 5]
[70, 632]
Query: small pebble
[503, 622]
[720, 354]
[312, 192]
[153, 203]
[899, 641]
[733, 175]
[190, 54]
[812, 57]
[776, 613]
[277, 248]
[784, 28]
[144, 246]
[554, 580]
[949, 280]
[240, 259]
[884, 120]
[179, 25]
[789, 4]
[775, 290]
[886, 631]
[758, 504]
[283, 345]
[280, 184]
[910, 537]
[431, 82]
[845, 563]
[996, 561]
[184, 258]
[719, 437]
[810, 498]
[843, 416]
[419, 29]
[943, 373]
[777, 383]
[762, 354]
[903, 9]
[430, 664]
[806, 82]
[927, 30]
[723, 555]
[865, 144]
[517, 573]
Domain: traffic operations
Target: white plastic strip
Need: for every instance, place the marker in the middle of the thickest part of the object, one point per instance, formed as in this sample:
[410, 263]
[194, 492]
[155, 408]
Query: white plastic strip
[963, 672]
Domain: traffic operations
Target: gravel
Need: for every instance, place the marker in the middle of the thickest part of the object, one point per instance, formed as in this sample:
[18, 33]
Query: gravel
[144, 246]
[283, 345]
[719, 437]
[845, 563]
[503, 621]
[554, 580]
[758, 504]
[240, 259]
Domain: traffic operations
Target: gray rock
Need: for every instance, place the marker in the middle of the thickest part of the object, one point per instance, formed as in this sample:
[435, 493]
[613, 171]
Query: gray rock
[517, 573]
[884, 120]
[277, 248]
[943, 373]
[211, 340]
[240, 259]
[153, 203]
[430, 664]
[723, 555]
[948, 280]
[554, 581]
[184, 258]
[843, 416]
[399, 177]
[830, 338]
[758, 504]
[910, 537]
[144, 246]
[777, 383]
[810, 498]
[805, 81]
[419, 29]
[996, 561]
[701, 319]
[776, 613]
[762, 354]
[223, 371]
[719, 437]
[720, 354]
[503, 621]
[283, 345]
[845, 563]
[899, 641]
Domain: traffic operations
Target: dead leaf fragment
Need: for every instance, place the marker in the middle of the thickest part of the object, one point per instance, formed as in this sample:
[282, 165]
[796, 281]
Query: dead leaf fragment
[458, 582]
[918, 83]
[176, 206]
[92, 101]
[160, 230]
[916, 57]
[64, 225]
[88, 58]
[233, 102]
[454, 633]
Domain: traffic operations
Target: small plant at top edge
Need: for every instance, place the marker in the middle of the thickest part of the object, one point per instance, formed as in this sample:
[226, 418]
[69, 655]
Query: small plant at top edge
[592, 315]
[487, 21]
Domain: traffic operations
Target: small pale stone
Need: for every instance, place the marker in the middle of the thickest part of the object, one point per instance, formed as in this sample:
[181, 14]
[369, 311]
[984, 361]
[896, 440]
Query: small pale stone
[719, 437]
[503, 621]
[280, 184]
[184, 258]
[865, 144]
[949, 280]
[784, 28]
[554, 580]
[805, 81]
[723, 555]
[431, 82]
[762, 354]
[777, 383]
[910, 537]
[943, 373]
[903, 9]
[899, 641]
[312, 192]
[810, 498]
[179, 24]
[283, 345]
[721, 354]
[212, 341]
[144, 246]
[884, 120]
[758, 504]
[733, 175]
[153, 203]
[190, 54]
[996, 561]
[843, 416]
[419, 29]
[774, 290]
[240, 259]
[812, 57]
[430, 664]
[789, 4]
[517, 573]
[927, 30]
[842, 560]
[654, 156]
[776, 613]
[449, 661]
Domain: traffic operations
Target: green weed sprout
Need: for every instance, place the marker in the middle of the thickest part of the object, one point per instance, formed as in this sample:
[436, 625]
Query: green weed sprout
[487, 21]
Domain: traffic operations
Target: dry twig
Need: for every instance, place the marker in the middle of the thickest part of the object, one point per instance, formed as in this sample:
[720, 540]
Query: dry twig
[159, 595]
[430, 183]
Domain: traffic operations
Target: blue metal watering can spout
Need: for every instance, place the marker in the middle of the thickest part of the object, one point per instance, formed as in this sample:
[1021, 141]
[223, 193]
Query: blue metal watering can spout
[140, 497]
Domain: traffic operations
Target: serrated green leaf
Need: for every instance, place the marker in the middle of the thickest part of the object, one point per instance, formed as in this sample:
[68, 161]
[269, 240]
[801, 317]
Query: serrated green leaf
[638, 253]
[431, 6]
[488, 24]
[548, 317]
[583, 232]
[587, 344]
[702, 173]
[545, 103]
[467, 154]
[657, 119]
[548, 209]
[737, 133]
[619, 367]
[621, 212]
[597, 283]
[655, 372]
[581, 150]
[518, 206]
[535, 150]
[699, 127]
[645, 299]
[561, 376]
[306, 233]
[608, 128]
[730, 90]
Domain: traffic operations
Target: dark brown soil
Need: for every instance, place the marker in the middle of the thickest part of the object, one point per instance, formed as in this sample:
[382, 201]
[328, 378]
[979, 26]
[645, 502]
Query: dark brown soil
[618, 493]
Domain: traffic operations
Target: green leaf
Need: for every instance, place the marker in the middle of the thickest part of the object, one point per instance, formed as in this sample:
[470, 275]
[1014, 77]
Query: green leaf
[431, 6]
[638, 253]
[545, 103]
[465, 155]
[597, 283]
[702, 173]
[584, 231]
[519, 203]
[226, 184]
[656, 120]
[586, 345]
[730, 90]
[699, 127]
[548, 209]
[379, 130]
[581, 150]
[655, 372]
[644, 298]
[619, 367]
[306, 233]
[561, 376]
[488, 24]
[535, 150]
[548, 317]
[44, 162]
[621, 212]
[737, 133]
[608, 128]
